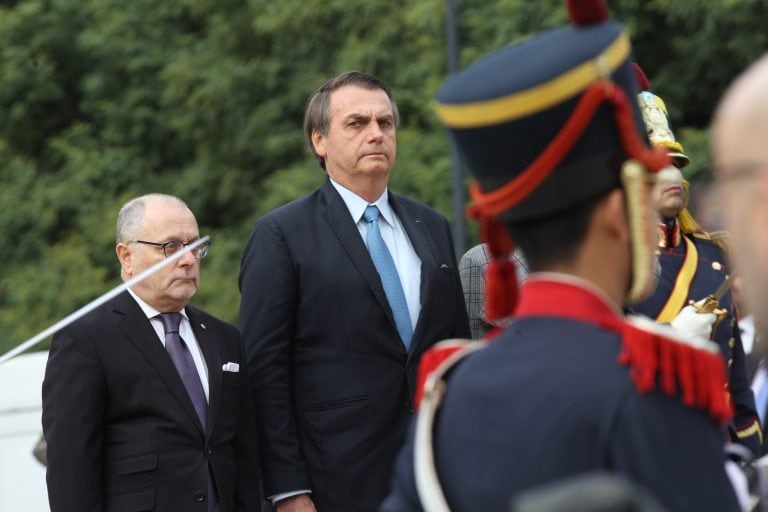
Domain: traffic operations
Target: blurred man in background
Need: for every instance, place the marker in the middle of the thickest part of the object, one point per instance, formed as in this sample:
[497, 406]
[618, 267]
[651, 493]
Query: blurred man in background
[473, 267]
[740, 155]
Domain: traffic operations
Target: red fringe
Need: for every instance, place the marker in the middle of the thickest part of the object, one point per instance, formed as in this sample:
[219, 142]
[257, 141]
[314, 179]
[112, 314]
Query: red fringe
[587, 12]
[659, 363]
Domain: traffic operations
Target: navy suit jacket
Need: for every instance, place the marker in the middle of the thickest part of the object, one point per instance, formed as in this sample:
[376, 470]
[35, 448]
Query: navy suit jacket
[122, 432]
[331, 378]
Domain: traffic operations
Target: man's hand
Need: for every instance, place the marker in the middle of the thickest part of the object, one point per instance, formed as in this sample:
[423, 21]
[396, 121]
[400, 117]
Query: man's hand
[300, 503]
[689, 323]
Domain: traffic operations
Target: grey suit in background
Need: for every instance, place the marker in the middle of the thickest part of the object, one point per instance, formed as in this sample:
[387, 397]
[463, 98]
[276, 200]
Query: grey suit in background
[472, 268]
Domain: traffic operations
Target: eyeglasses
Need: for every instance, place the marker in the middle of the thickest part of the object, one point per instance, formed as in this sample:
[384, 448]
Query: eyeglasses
[171, 247]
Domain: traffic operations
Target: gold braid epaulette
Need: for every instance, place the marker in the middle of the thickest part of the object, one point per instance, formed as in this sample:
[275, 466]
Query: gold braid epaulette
[724, 241]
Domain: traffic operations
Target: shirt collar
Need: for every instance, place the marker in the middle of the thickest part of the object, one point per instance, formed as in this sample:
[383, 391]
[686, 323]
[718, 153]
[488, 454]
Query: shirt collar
[357, 205]
[670, 235]
[148, 310]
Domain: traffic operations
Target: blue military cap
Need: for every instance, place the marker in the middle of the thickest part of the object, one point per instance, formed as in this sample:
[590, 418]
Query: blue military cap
[508, 113]
[546, 125]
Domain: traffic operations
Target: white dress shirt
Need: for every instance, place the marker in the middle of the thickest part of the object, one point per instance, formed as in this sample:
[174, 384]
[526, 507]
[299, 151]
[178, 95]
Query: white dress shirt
[747, 327]
[186, 333]
[407, 262]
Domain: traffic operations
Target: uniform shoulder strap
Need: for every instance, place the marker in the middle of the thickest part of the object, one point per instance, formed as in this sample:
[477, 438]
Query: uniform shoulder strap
[434, 368]
[691, 368]
[433, 360]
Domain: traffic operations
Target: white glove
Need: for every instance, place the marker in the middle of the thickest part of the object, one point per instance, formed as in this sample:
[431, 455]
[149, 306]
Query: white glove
[689, 323]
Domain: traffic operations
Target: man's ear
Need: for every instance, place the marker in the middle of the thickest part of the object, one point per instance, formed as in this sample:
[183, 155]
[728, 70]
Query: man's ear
[318, 142]
[613, 214]
[125, 256]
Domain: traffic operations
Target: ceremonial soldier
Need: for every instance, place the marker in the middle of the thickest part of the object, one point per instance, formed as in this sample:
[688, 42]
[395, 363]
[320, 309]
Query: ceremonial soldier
[693, 266]
[553, 135]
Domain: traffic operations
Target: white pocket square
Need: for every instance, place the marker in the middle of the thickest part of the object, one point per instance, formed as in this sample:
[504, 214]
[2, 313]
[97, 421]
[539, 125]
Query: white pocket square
[231, 367]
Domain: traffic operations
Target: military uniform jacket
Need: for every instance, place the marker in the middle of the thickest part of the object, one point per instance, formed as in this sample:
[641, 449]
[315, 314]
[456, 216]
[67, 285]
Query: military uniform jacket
[548, 399]
[707, 272]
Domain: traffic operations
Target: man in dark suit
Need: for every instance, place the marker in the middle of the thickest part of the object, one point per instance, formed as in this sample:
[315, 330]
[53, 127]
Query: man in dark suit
[140, 415]
[342, 291]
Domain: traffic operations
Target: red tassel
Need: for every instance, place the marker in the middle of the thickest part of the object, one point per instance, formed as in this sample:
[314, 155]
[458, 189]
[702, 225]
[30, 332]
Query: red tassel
[587, 12]
[500, 275]
[500, 288]
[642, 79]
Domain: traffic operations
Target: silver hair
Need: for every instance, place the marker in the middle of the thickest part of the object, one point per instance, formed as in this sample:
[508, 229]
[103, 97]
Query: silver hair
[132, 213]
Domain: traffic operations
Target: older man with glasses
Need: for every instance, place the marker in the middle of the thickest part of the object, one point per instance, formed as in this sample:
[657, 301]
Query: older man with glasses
[145, 399]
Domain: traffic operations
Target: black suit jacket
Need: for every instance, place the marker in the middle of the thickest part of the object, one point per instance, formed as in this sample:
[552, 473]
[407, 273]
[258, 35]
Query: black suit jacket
[121, 429]
[332, 380]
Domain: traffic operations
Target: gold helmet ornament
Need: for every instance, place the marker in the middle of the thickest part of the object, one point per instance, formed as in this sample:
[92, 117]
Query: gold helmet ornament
[656, 118]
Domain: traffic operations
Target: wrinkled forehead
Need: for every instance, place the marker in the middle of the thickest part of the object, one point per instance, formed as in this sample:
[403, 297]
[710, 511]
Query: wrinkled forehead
[352, 100]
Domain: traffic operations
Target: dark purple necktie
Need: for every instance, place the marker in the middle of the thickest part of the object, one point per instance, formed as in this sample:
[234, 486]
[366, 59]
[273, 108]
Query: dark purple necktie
[185, 365]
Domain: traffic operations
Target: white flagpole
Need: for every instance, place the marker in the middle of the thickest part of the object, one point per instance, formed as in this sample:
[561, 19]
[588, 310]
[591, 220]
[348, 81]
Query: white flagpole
[98, 301]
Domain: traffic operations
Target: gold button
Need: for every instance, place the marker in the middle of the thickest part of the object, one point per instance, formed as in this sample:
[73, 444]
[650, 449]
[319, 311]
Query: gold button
[731, 342]
[716, 265]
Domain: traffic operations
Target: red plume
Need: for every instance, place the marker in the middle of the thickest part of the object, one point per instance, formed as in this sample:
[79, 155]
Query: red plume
[642, 80]
[587, 12]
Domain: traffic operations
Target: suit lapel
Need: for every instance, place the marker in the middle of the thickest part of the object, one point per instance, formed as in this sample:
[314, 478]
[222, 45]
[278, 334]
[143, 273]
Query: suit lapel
[209, 345]
[422, 243]
[132, 321]
[337, 215]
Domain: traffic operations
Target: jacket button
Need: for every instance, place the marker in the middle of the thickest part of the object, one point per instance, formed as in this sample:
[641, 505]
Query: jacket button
[199, 496]
[731, 342]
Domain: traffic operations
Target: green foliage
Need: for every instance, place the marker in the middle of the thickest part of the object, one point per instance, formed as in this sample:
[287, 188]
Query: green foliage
[104, 100]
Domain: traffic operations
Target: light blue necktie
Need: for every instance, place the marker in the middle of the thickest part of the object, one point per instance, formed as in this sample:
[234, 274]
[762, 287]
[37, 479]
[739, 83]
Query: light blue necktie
[382, 259]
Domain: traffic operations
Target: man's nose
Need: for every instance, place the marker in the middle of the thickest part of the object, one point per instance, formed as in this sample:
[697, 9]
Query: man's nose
[375, 131]
[188, 259]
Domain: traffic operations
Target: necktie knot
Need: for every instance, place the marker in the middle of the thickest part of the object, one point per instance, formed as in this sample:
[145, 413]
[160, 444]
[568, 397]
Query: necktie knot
[371, 214]
[171, 322]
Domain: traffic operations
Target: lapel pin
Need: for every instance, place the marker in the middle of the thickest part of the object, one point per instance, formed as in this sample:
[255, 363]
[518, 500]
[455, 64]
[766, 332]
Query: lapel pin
[203, 326]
